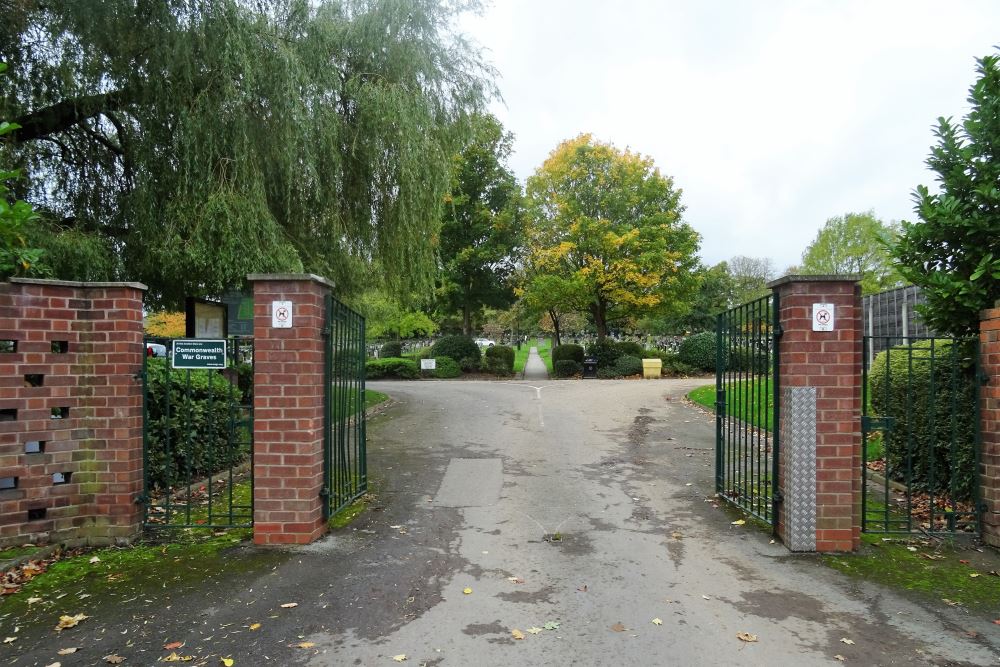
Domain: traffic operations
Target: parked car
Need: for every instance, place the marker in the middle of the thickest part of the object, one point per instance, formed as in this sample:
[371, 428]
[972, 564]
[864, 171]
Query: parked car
[485, 342]
[156, 350]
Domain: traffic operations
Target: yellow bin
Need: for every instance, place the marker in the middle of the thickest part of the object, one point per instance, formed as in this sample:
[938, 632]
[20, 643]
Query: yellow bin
[652, 368]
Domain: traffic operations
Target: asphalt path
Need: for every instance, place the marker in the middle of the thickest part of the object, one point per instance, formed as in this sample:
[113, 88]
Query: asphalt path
[579, 513]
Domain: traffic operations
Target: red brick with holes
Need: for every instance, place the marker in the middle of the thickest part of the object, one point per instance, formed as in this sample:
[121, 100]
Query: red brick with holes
[989, 415]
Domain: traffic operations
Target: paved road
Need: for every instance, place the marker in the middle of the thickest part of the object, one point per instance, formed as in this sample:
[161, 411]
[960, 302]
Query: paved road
[534, 367]
[586, 504]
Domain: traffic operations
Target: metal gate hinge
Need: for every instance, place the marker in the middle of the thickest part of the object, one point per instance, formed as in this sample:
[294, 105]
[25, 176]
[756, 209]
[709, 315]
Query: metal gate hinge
[324, 492]
[778, 330]
[139, 375]
[777, 498]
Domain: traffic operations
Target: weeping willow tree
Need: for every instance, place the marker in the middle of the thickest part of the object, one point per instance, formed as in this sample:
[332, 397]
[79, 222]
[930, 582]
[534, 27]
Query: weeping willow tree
[186, 143]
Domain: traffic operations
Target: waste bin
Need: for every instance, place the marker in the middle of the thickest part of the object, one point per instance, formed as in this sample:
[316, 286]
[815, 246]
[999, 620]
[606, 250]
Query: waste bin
[652, 368]
[590, 368]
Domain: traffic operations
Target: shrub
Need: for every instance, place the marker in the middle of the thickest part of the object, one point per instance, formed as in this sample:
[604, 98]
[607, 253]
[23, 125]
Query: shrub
[627, 365]
[458, 347]
[393, 349]
[193, 441]
[499, 360]
[747, 359]
[673, 366]
[470, 364]
[392, 367]
[608, 372]
[605, 351]
[568, 352]
[630, 348]
[699, 351]
[446, 367]
[920, 402]
[566, 368]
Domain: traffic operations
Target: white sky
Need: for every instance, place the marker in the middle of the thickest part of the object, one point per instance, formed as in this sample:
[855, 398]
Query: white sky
[770, 116]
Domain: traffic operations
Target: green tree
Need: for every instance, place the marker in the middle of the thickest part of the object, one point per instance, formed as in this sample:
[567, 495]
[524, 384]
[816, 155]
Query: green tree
[854, 243]
[749, 277]
[555, 297]
[386, 317]
[482, 227]
[203, 139]
[715, 294]
[608, 225]
[953, 251]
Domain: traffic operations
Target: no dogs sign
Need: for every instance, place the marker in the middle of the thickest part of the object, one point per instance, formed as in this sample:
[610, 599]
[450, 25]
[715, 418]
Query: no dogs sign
[823, 317]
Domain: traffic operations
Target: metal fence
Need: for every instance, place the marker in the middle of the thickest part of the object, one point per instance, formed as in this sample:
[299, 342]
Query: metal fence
[892, 314]
[345, 465]
[746, 390]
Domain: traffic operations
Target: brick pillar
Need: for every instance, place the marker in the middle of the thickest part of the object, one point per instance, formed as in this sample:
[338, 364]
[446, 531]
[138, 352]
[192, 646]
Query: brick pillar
[289, 395]
[71, 436]
[820, 414]
[989, 414]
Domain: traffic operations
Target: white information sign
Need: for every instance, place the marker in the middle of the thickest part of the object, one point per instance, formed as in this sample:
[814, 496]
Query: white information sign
[428, 364]
[823, 319]
[281, 314]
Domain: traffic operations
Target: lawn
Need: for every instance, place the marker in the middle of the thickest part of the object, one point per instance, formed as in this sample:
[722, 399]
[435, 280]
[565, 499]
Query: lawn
[754, 397]
[544, 351]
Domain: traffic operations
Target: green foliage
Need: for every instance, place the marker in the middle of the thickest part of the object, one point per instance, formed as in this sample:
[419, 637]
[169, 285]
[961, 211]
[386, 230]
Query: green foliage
[446, 367]
[392, 367]
[698, 351]
[748, 278]
[747, 360]
[607, 224]
[482, 227]
[192, 441]
[605, 351]
[205, 140]
[461, 348]
[568, 351]
[919, 386]
[608, 372]
[630, 348]
[953, 252]
[499, 360]
[627, 365]
[855, 243]
[386, 317]
[391, 349]
[674, 367]
[565, 368]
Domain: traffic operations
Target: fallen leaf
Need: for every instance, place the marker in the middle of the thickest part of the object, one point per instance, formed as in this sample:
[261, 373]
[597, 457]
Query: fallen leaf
[996, 622]
[399, 658]
[516, 634]
[534, 631]
[551, 625]
[746, 637]
[676, 535]
[69, 621]
[289, 605]
[55, 664]
[304, 645]
[583, 589]
[845, 640]
[68, 651]
[657, 621]
[738, 522]
[94, 560]
[172, 645]
[228, 662]
[911, 548]
[174, 657]
[114, 659]
[705, 597]
[515, 580]
[618, 627]
[255, 626]
[964, 562]
[467, 591]
[9, 640]
[839, 657]
[34, 600]
[974, 575]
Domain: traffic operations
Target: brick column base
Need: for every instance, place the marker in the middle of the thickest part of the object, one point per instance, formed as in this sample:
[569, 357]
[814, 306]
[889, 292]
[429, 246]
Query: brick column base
[989, 415]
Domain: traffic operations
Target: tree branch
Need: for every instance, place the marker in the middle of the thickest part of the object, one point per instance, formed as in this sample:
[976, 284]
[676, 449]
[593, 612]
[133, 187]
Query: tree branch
[61, 116]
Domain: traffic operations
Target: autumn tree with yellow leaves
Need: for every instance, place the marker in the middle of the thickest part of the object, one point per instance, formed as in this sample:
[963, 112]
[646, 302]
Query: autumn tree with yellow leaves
[606, 235]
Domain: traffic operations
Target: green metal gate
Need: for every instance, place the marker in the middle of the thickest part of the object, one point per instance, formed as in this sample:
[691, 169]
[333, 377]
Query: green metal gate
[920, 435]
[198, 440]
[746, 407]
[345, 463]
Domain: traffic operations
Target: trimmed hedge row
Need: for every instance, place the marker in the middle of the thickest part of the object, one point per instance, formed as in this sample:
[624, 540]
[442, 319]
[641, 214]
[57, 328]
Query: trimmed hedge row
[567, 352]
[499, 360]
[392, 367]
[446, 367]
[566, 368]
[460, 348]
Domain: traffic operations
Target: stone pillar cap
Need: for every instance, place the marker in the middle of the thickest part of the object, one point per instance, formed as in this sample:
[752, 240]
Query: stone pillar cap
[820, 278]
[290, 277]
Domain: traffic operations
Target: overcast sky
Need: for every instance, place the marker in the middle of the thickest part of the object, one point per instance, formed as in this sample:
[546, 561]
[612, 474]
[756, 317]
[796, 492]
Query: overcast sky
[771, 116]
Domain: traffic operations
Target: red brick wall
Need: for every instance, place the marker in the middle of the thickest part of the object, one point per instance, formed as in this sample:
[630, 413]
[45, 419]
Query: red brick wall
[99, 443]
[830, 361]
[989, 406]
[288, 411]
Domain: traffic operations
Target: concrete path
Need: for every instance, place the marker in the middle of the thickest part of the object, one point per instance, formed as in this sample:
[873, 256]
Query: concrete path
[534, 367]
[583, 507]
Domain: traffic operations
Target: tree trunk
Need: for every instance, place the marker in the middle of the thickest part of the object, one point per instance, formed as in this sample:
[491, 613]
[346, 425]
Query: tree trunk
[466, 320]
[555, 326]
[600, 314]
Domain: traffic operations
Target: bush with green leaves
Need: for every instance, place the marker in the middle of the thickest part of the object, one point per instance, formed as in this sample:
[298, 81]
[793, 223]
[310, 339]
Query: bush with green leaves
[446, 367]
[392, 367]
[605, 351]
[569, 351]
[627, 365]
[608, 372]
[699, 351]
[566, 368]
[499, 360]
[674, 367]
[918, 387]
[461, 348]
[631, 348]
[747, 359]
[391, 349]
[188, 421]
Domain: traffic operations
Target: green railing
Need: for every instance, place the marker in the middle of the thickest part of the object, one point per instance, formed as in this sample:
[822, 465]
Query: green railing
[198, 441]
[920, 431]
[746, 394]
[345, 469]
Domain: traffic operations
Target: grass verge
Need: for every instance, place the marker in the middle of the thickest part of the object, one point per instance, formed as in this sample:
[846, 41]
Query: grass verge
[373, 398]
[544, 351]
[754, 399]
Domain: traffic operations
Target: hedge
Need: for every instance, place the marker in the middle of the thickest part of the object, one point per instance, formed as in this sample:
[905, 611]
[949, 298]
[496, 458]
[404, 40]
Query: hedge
[569, 351]
[392, 349]
[196, 433]
[605, 351]
[699, 351]
[499, 360]
[566, 368]
[630, 348]
[460, 348]
[446, 367]
[628, 365]
[392, 367]
[923, 421]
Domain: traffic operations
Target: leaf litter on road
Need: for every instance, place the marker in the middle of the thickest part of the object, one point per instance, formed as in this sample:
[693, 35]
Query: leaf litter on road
[66, 621]
[746, 637]
[516, 634]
